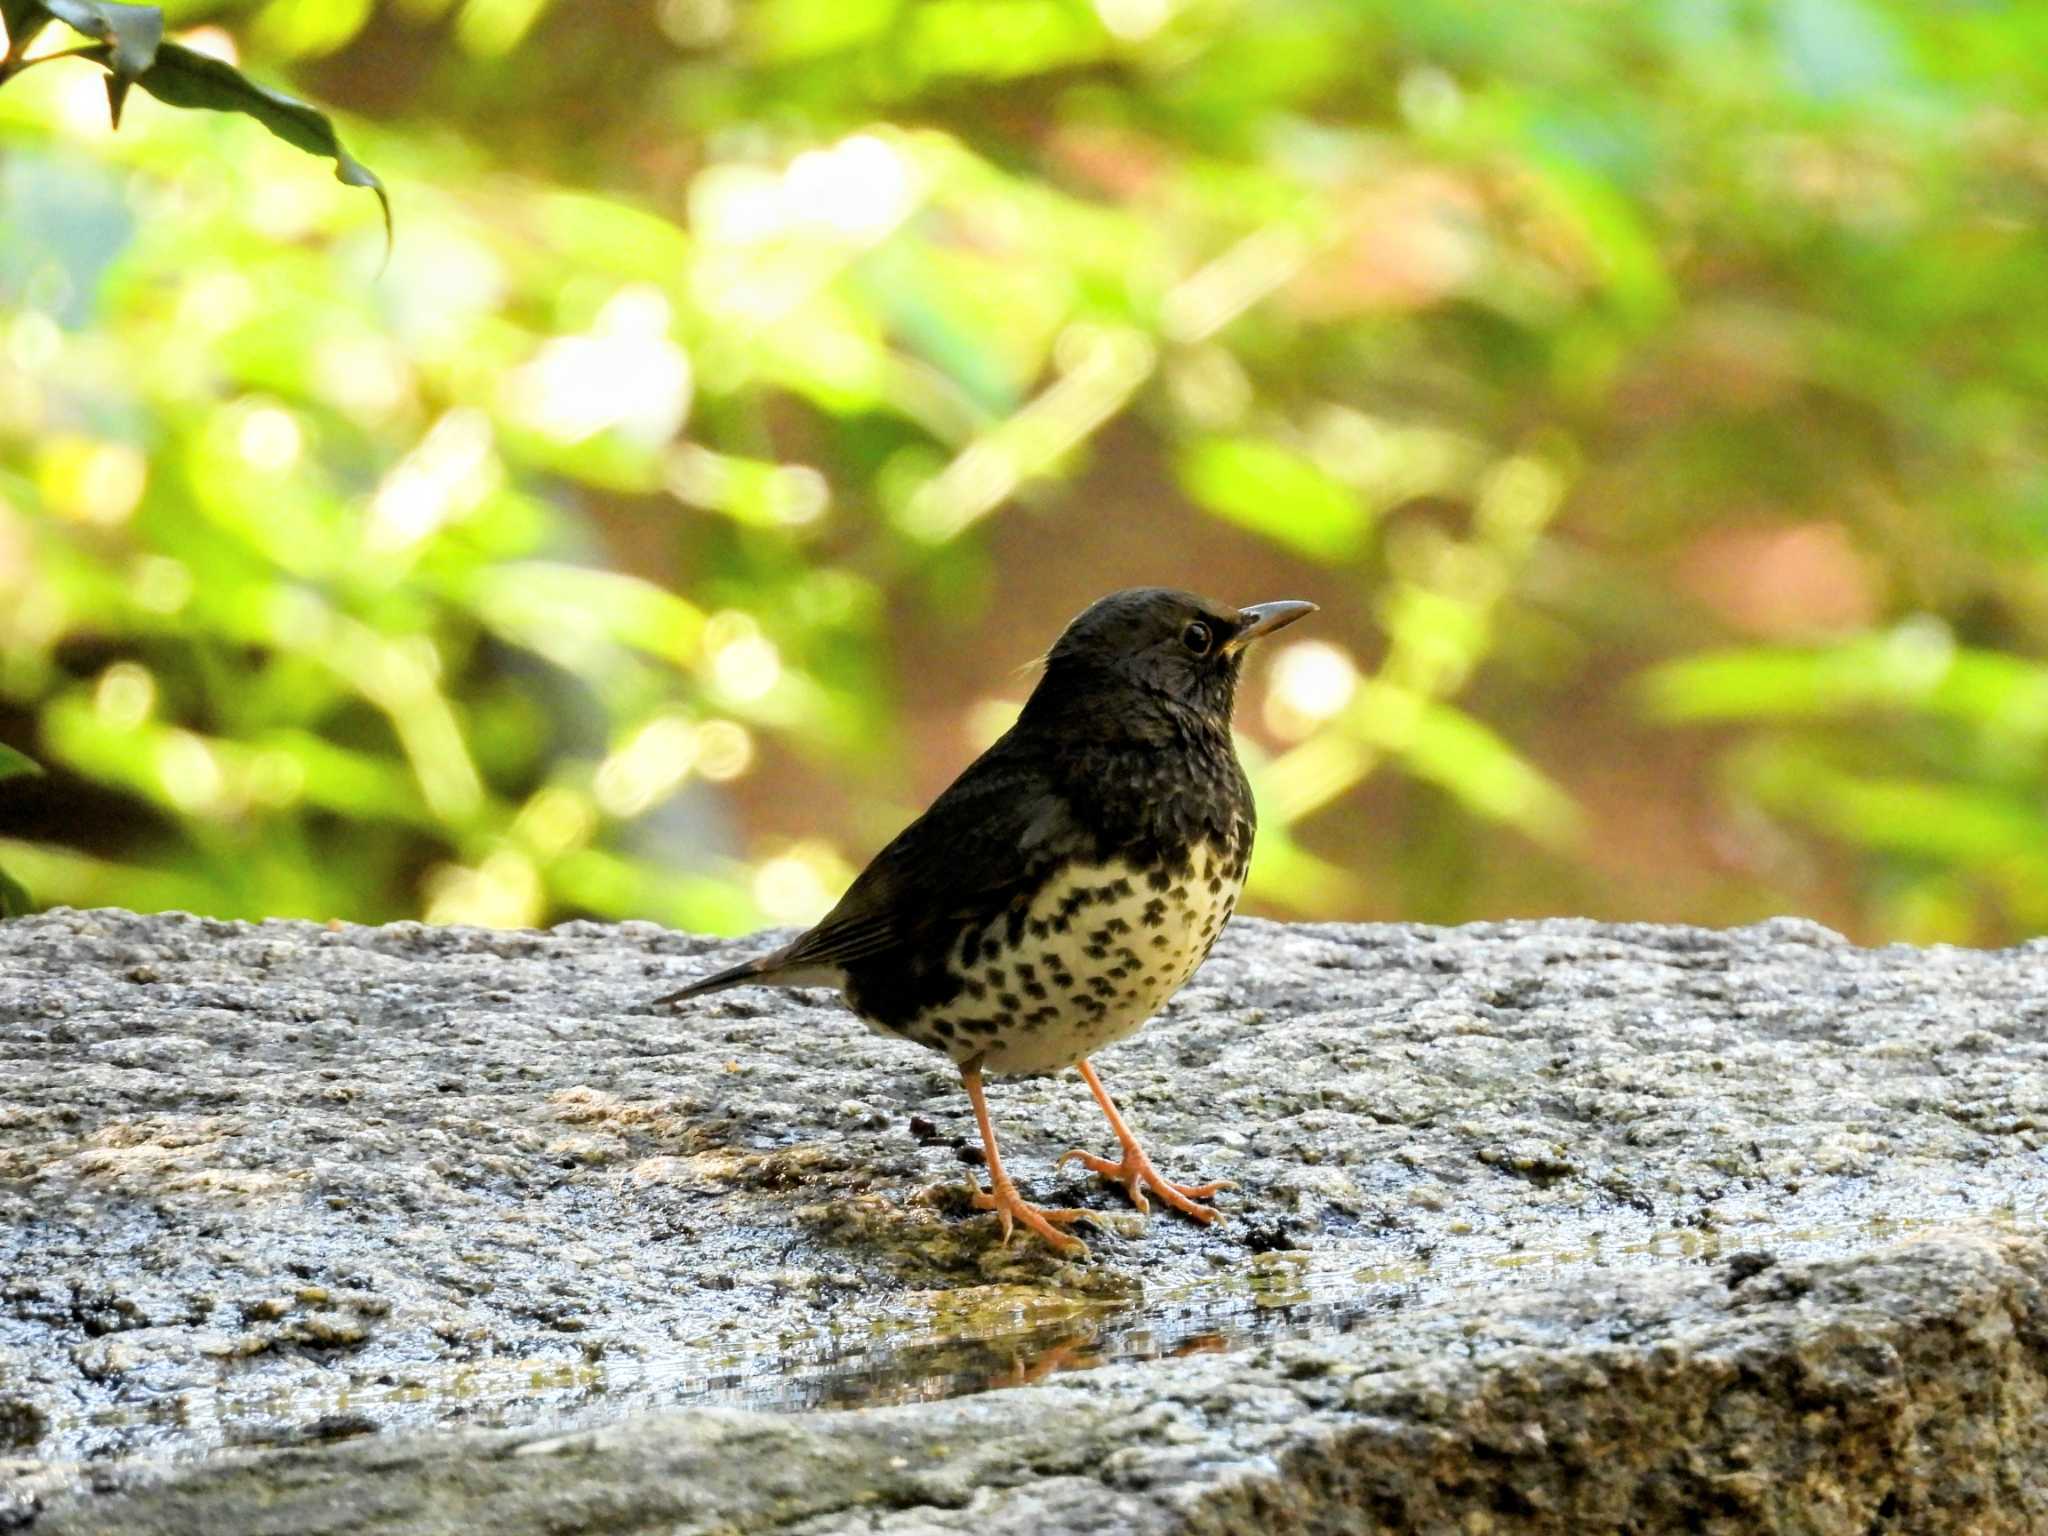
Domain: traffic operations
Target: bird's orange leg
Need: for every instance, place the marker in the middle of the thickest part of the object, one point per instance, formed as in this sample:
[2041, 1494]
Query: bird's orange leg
[1004, 1200]
[1136, 1172]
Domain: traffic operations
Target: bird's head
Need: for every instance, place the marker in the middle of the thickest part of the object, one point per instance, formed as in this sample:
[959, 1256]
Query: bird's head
[1163, 642]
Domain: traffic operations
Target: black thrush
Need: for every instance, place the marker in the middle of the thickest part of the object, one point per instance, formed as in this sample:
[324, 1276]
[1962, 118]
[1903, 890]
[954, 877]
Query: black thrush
[1067, 883]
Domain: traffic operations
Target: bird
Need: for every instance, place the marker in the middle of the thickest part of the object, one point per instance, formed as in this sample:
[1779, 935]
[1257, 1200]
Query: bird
[1065, 885]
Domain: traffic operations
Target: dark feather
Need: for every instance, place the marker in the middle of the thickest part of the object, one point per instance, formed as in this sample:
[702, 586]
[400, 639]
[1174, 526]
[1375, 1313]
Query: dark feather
[987, 839]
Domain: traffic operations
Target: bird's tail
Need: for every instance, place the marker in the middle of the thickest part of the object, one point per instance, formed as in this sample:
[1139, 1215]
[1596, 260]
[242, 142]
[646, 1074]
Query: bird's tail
[746, 972]
[777, 968]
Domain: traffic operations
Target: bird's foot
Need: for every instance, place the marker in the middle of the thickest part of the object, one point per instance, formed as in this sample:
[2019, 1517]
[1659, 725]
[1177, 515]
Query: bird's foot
[1011, 1207]
[1137, 1175]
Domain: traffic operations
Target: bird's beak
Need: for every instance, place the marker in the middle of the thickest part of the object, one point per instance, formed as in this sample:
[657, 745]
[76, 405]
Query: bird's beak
[1263, 619]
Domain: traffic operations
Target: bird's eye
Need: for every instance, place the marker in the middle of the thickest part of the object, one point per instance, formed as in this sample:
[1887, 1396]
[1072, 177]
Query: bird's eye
[1196, 637]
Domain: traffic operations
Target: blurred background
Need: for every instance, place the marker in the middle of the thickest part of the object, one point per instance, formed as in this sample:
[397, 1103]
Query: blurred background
[1651, 392]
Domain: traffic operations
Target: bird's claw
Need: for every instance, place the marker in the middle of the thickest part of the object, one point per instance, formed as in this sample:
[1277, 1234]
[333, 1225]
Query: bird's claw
[1137, 1175]
[1011, 1207]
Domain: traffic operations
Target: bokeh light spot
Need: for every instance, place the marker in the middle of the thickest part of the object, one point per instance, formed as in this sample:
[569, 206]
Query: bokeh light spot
[625, 374]
[747, 669]
[1133, 20]
[861, 186]
[190, 773]
[270, 439]
[725, 750]
[799, 886]
[448, 474]
[987, 721]
[694, 23]
[556, 820]
[1311, 681]
[504, 891]
[125, 696]
[161, 584]
[33, 341]
[363, 376]
[214, 42]
[92, 481]
[647, 767]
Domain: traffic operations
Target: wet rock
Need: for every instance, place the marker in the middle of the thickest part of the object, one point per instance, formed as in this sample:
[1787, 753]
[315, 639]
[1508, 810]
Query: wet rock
[1898, 1392]
[1536, 1227]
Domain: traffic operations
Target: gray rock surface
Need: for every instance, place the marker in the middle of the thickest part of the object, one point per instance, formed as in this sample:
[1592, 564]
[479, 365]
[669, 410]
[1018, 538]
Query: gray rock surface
[1539, 1227]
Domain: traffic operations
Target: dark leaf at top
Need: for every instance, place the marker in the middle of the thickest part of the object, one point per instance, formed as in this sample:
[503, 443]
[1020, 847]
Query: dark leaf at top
[183, 78]
[134, 52]
[133, 31]
[25, 19]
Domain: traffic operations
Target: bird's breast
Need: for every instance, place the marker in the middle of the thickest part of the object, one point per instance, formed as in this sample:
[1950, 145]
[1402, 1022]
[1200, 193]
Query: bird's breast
[1084, 960]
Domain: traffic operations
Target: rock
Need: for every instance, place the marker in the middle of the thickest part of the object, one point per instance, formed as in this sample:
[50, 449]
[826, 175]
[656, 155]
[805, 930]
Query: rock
[1538, 1227]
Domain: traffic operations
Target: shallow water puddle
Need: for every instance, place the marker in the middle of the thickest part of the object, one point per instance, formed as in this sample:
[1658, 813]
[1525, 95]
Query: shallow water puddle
[942, 1344]
[1290, 1295]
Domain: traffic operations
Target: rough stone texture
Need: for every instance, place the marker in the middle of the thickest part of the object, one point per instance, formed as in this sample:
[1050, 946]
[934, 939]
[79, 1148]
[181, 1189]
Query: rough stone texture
[1538, 1227]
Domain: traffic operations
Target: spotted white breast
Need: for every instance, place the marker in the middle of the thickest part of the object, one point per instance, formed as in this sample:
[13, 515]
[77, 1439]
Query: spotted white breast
[1099, 950]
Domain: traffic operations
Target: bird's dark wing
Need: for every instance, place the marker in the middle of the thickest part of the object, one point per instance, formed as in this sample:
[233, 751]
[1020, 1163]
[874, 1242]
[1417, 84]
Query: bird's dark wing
[987, 840]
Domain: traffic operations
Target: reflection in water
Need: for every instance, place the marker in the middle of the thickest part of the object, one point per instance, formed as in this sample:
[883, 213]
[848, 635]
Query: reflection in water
[1278, 1296]
[960, 1342]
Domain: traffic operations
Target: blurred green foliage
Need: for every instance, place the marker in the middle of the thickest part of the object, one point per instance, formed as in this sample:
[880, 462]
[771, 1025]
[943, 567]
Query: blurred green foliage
[127, 41]
[1651, 390]
[14, 900]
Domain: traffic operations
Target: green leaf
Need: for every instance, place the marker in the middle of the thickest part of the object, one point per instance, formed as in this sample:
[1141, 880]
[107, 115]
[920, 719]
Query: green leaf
[1277, 492]
[785, 30]
[1001, 41]
[562, 611]
[1450, 748]
[14, 765]
[1907, 669]
[300, 29]
[183, 78]
[1965, 825]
